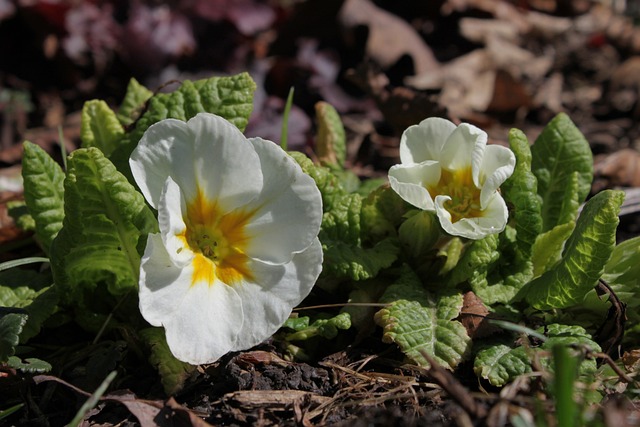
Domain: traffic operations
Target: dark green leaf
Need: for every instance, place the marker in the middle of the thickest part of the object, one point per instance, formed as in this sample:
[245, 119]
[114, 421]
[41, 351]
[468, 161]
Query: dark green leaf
[560, 151]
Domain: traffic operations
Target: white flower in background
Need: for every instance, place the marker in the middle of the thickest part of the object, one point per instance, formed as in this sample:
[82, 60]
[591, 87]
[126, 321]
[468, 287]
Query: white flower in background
[451, 170]
[238, 245]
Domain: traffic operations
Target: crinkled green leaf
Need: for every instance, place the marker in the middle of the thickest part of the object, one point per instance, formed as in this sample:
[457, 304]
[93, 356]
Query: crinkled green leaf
[39, 305]
[326, 328]
[505, 277]
[173, 373]
[331, 147]
[18, 210]
[11, 324]
[495, 268]
[420, 322]
[29, 365]
[499, 363]
[100, 127]
[342, 222]
[382, 212]
[585, 255]
[476, 259]
[343, 260]
[569, 335]
[229, 97]
[521, 190]
[558, 152]
[297, 323]
[133, 103]
[105, 227]
[328, 184]
[43, 192]
[345, 256]
[547, 250]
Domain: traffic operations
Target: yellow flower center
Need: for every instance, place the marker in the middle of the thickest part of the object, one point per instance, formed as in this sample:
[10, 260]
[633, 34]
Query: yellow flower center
[465, 196]
[219, 241]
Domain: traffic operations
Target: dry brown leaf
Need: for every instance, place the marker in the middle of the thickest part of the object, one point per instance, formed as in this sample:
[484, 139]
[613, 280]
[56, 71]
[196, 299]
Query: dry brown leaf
[390, 37]
[473, 316]
[619, 169]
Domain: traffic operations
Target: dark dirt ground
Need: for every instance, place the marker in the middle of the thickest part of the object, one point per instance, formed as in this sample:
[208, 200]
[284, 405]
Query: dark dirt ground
[384, 65]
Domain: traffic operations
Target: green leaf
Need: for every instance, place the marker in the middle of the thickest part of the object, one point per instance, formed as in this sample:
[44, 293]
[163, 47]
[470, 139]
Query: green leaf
[585, 255]
[326, 328]
[382, 212]
[559, 152]
[475, 260]
[4, 413]
[345, 256]
[331, 147]
[343, 260]
[506, 276]
[29, 365]
[28, 290]
[328, 184]
[418, 321]
[18, 210]
[500, 363]
[569, 335]
[229, 97]
[105, 228]
[570, 200]
[419, 232]
[43, 192]
[173, 373]
[133, 102]
[11, 325]
[622, 271]
[622, 274]
[342, 222]
[495, 268]
[521, 191]
[547, 250]
[100, 127]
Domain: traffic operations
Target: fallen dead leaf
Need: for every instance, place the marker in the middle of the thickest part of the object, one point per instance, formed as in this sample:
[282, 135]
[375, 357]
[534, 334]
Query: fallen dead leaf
[389, 36]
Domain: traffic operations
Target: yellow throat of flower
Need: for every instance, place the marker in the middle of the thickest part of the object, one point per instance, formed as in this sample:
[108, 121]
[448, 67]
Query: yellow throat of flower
[219, 241]
[465, 196]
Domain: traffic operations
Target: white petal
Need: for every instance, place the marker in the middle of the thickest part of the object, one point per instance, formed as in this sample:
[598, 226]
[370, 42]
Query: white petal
[424, 141]
[289, 208]
[278, 289]
[226, 164]
[201, 321]
[152, 161]
[207, 153]
[162, 284]
[206, 325]
[170, 219]
[464, 149]
[498, 164]
[493, 221]
[411, 182]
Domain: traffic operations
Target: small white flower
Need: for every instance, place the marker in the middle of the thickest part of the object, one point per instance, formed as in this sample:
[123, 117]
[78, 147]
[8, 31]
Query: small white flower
[238, 245]
[452, 171]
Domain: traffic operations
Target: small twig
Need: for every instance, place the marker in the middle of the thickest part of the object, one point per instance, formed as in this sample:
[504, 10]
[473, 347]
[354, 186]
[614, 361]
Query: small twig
[453, 387]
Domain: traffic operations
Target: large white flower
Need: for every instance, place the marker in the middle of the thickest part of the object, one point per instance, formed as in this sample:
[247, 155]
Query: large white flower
[451, 170]
[238, 245]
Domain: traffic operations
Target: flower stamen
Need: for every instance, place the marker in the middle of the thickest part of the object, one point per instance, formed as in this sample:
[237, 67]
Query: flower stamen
[465, 196]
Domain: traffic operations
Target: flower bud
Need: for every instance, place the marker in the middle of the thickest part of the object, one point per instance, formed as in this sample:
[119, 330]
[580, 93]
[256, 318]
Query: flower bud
[419, 232]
